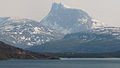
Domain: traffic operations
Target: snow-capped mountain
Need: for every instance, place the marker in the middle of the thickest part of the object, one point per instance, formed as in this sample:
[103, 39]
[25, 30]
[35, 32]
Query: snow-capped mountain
[67, 20]
[25, 32]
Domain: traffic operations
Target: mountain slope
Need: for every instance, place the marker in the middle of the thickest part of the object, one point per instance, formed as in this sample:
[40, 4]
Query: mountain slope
[24, 32]
[10, 52]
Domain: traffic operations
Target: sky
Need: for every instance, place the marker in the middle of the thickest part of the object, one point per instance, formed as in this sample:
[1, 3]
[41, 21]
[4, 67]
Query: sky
[107, 11]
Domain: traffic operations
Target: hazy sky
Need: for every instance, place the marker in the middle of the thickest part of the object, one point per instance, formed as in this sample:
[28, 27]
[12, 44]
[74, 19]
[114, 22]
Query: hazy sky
[107, 11]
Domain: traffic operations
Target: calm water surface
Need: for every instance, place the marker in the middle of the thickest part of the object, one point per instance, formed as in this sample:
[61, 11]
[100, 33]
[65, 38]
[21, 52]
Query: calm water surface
[63, 63]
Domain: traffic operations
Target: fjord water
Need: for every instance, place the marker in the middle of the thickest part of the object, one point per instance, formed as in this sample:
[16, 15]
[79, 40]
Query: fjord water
[63, 63]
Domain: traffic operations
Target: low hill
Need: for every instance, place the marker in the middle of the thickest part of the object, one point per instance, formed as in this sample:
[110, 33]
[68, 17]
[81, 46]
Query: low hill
[9, 52]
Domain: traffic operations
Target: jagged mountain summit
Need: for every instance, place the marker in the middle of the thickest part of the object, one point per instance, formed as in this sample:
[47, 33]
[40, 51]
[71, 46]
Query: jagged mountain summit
[25, 32]
[67, 20]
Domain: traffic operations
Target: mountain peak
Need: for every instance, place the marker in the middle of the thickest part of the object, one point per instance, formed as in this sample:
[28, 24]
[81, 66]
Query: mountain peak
[59, 5]
[55, 3]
